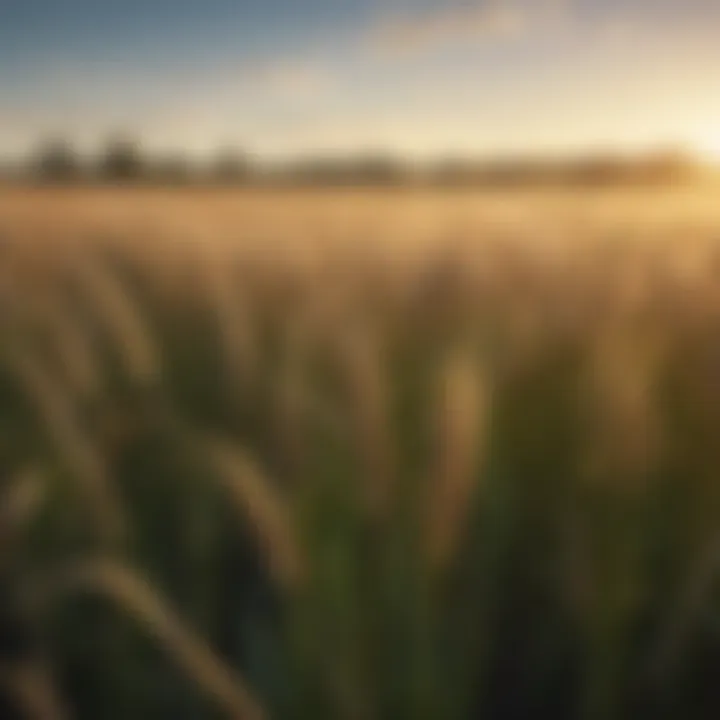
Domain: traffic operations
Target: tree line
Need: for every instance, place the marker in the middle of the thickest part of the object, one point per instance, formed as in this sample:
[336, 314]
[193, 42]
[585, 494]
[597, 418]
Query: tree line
[123, 160]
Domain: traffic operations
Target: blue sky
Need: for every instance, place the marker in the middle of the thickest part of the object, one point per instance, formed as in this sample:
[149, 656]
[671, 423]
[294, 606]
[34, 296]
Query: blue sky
[414, 76]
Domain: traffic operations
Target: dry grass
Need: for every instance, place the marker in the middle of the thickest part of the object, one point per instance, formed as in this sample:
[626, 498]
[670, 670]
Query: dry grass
[295, 408]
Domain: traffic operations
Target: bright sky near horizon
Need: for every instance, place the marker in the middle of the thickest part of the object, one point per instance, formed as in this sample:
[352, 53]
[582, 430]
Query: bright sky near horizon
[414, 76]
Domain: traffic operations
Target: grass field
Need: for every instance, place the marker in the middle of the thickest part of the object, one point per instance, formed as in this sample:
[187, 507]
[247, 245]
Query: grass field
[401, 454]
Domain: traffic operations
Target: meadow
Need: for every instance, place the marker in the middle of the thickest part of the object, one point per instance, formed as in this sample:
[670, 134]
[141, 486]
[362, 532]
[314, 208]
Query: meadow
[359, 455]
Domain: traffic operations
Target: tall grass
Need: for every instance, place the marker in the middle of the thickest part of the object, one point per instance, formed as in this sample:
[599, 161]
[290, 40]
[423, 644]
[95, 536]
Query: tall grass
[467, 470]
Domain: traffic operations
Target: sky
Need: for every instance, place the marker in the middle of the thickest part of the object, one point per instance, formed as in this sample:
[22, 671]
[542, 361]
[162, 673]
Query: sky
[416, 77]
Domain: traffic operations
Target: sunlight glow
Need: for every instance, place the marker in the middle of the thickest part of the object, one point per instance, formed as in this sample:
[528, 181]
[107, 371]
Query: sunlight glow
[708, 147]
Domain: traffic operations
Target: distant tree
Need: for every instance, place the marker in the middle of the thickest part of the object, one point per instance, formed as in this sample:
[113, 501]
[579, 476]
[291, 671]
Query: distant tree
[174, 169]
[600, 170]
[121, 160]
[453, 171]
[230, 166]
[377, 169]
[56, 160]
[351, 170]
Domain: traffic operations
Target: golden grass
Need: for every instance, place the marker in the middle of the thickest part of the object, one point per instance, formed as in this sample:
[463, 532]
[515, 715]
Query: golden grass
[381, 328]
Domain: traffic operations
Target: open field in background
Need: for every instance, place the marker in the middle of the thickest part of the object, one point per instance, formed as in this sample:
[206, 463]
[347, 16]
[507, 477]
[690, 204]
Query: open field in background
[360, 454]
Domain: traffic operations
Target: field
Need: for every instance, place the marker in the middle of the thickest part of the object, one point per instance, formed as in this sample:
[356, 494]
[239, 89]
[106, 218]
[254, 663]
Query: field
[359, 455]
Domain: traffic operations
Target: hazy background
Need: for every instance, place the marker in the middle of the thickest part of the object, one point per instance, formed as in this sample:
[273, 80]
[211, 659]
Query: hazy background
[421, 452]
[284, 78]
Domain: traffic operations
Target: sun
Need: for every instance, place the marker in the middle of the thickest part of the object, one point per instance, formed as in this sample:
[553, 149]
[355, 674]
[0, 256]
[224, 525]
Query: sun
[708, 147]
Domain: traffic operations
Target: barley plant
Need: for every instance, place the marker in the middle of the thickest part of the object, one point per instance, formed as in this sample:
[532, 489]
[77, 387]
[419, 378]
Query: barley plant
[409, 457]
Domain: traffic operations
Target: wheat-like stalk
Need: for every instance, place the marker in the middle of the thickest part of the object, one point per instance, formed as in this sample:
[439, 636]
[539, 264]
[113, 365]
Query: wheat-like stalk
[112, 304]
[232, 313]
[134, 595]
[461, 412]
[620, 398]
[362, 371]
[73, 352]
[19, 502]
[258, 502]
[71, 444]
[45, 320]
[31, 687]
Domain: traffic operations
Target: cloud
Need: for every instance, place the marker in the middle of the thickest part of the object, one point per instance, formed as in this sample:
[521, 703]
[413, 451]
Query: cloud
[411, 34]
[488, 21]
[291, 80]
